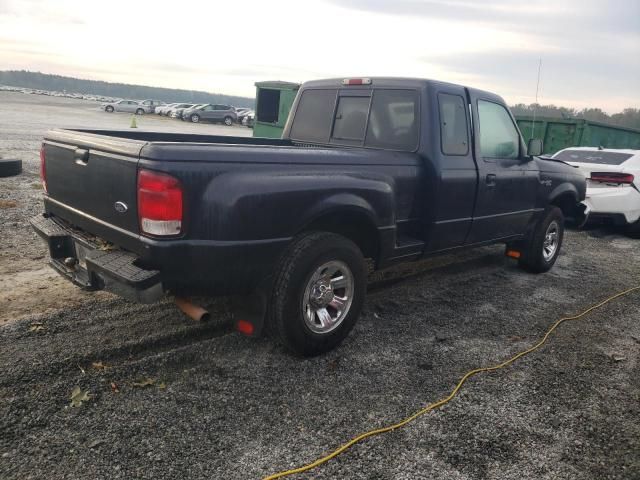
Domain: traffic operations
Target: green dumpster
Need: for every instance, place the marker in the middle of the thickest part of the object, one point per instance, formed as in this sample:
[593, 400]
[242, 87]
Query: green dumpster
[273, 102]
[559, 133]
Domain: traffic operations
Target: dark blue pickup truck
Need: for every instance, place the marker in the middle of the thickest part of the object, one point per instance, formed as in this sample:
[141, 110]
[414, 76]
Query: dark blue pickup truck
[385, 169]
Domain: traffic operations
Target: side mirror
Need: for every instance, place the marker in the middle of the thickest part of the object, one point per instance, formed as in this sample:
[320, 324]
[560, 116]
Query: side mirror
[534, 147]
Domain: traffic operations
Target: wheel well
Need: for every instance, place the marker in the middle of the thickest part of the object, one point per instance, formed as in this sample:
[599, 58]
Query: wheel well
[566, 202]
[354, 226]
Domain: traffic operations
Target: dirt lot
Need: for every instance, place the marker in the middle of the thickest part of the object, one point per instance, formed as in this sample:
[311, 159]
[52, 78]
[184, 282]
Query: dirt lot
[170, 399]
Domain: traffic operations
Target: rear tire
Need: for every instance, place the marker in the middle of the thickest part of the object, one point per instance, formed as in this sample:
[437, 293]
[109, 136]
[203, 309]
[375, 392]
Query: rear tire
[10, 167]
[633, 230]
[542, 247]
[140, 111]
[318, 272]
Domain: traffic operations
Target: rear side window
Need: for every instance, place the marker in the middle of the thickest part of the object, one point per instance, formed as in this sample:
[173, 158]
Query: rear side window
[587, 156]
[314, 115]
[498, 135]
[393, 121]
[351, 118]
[453, 125]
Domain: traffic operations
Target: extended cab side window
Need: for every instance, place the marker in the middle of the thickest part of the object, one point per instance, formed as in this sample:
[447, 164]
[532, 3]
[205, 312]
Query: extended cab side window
[393, 121]
[499, 137]
[453, 124]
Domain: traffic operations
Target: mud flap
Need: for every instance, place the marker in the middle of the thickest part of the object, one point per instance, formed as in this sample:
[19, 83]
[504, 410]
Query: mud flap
[249, 312]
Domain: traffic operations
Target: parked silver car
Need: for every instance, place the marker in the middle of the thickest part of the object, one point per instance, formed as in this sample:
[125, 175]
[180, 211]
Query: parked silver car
[130, 106]
[176, 110]
[151, 105]
[212, 113]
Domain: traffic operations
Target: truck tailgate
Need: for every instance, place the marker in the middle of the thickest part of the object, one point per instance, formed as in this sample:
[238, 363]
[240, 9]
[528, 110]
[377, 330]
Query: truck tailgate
[91, 173]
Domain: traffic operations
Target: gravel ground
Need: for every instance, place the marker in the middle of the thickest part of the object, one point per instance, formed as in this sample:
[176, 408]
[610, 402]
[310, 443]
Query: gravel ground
[219, 405]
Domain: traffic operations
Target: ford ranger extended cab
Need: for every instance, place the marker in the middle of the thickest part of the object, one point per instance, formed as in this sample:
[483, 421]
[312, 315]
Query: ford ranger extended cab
[384, 169]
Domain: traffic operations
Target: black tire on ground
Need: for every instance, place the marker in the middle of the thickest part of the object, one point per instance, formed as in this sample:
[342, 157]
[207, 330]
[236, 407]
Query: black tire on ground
[194, 118]
[542, 248]
[140, 111]
[307, 254]
[10, 167]
[633, 229]
[109, 109]
[228, 121]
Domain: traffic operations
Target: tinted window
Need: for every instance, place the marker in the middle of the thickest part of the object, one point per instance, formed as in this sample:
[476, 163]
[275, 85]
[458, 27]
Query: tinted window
[268, 105]
[314, 115]
[351, 118]
[453, 125]
[393, 122]
[498, 136]
[591, 156]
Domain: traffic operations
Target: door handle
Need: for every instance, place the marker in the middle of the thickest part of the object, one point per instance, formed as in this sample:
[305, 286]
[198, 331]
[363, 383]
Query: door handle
[81, 156]
[491, 180]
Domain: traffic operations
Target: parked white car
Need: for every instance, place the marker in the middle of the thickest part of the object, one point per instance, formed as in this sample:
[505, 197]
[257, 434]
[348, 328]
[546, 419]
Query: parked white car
[130, 106]
[163, 109]
[613, 183]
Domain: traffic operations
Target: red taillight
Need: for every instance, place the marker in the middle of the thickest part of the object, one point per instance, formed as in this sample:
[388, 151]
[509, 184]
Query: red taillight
[159, 203]
[245, 327]
[611, 177]
[43, 169]
[356, 81]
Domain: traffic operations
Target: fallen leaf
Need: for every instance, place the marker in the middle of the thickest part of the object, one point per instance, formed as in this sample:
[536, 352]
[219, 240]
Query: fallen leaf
[162, 385]
[114, 387]
[81, 369]
[96, 443]
[36, 327]
[147, 382]
[515, 338]
[99, 366]
[8, 204]
[78, 396]
[617, 358]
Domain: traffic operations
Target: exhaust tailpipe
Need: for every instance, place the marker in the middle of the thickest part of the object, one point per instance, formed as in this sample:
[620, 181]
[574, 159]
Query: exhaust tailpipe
[191, 310]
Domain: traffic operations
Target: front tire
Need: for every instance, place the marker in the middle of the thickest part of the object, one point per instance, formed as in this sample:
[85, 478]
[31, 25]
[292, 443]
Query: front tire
[109, 109]
[318, 293]
[542, 247]
[140, 111]
[194, 118]
[228, 121]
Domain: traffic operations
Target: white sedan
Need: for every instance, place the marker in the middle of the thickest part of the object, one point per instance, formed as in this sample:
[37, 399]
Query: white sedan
[613, 183]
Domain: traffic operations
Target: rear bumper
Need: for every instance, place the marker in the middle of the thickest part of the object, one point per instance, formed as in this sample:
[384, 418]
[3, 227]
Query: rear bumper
[621, 204]
[77, 257]
[185, 267]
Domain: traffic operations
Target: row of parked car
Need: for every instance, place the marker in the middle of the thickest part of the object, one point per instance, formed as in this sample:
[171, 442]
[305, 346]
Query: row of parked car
[191, 112]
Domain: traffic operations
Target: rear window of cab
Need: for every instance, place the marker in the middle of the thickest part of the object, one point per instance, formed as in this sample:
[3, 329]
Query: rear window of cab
[382, 118]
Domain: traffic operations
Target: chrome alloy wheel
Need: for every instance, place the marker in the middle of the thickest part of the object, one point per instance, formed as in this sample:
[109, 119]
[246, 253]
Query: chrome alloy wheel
[327, 297]
[551, 238]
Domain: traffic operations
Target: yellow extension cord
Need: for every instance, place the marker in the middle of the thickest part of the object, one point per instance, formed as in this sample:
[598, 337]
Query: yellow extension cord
[439, 403]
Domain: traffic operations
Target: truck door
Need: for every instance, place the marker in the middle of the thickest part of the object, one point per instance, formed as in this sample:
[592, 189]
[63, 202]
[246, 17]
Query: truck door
[450, 197]
[508, 179]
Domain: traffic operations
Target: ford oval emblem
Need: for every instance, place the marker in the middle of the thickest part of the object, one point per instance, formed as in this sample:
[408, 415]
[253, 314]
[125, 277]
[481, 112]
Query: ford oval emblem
[120, 207]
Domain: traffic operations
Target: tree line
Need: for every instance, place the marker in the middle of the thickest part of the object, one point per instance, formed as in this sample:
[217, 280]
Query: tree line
[629, 117]
[58, 83]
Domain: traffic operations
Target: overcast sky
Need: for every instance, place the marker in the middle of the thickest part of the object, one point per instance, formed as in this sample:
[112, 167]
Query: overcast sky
[590, 49]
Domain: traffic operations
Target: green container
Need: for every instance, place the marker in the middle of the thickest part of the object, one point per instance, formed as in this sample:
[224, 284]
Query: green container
[559, 133]
[273, 103]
